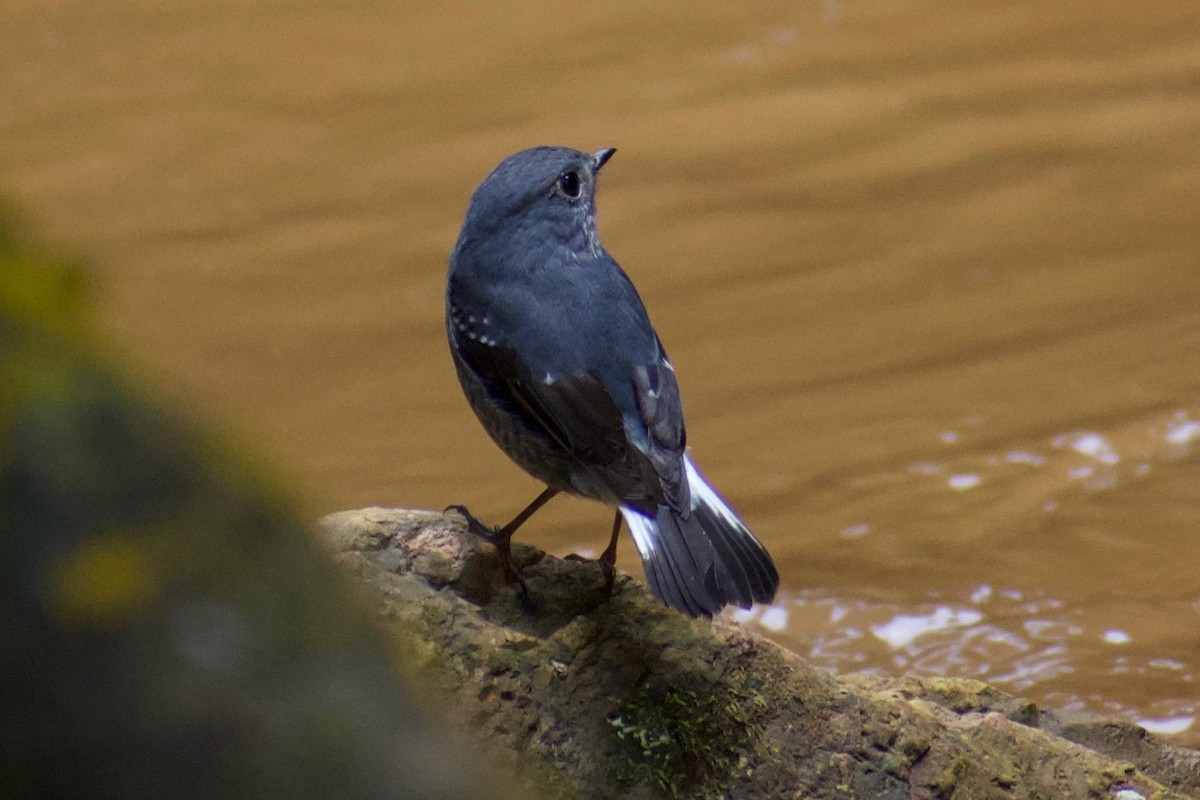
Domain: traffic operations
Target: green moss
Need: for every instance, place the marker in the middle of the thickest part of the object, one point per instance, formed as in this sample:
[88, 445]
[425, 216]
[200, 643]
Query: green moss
[1113, 774]
[903, 756]
[690, 743]
[944, 785]
[506, 659]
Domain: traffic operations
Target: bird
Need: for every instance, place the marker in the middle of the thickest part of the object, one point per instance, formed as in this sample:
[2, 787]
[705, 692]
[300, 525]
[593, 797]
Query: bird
[557, 357]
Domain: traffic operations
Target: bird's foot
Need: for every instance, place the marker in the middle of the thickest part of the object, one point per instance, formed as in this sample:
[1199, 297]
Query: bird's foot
[607, 564]
[502, 541]
[610, 575]
[474, 526]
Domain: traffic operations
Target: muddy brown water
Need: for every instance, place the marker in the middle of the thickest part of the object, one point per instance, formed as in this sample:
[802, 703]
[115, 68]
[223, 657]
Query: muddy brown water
[928, 272]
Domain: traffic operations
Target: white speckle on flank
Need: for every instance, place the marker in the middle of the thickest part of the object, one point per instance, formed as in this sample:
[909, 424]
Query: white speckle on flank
[547, 379]
[949, 437]
[964, 482]
[1079, 473]
[1116, 636]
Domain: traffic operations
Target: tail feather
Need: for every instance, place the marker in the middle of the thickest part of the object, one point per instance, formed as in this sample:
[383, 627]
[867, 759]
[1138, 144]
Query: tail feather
[701, 561]
[724, 525]
[671, 569]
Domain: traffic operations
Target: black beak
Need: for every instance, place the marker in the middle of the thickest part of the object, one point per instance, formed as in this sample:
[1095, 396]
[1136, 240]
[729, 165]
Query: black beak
[600, 157]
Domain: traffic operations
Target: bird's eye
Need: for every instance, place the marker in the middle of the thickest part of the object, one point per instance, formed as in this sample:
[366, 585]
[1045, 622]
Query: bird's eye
[568, 184]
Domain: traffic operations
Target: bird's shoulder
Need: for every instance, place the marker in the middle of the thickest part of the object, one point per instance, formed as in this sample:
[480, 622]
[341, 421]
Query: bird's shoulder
[564, 316]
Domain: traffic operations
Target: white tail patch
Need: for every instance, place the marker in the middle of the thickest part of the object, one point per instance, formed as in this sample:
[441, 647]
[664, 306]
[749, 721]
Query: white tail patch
[703, 493]
[644, 530]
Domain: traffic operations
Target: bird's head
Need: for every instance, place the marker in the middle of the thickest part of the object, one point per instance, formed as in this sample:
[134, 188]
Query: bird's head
[543, 195]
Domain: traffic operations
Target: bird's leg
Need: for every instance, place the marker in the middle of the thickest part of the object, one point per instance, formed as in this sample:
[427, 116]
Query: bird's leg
[608, 559]
[502, 538]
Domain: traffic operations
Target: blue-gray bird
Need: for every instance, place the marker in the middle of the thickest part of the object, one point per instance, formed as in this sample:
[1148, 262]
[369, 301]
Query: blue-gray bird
[559, 361]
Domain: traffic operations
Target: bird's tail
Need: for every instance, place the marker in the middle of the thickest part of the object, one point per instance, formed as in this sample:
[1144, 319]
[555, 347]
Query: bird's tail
[701, 561]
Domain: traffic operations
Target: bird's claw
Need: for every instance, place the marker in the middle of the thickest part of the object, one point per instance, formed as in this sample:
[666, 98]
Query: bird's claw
[474, 526]
[606, 564]
[503, 550]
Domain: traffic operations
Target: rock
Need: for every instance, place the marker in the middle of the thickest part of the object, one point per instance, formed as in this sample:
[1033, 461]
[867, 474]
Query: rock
[622, 697]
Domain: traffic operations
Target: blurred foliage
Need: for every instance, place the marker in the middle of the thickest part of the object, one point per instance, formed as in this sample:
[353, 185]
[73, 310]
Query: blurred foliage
[166, 627]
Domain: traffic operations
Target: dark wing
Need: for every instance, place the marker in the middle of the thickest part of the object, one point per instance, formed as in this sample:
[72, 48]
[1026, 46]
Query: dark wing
[636, 452]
